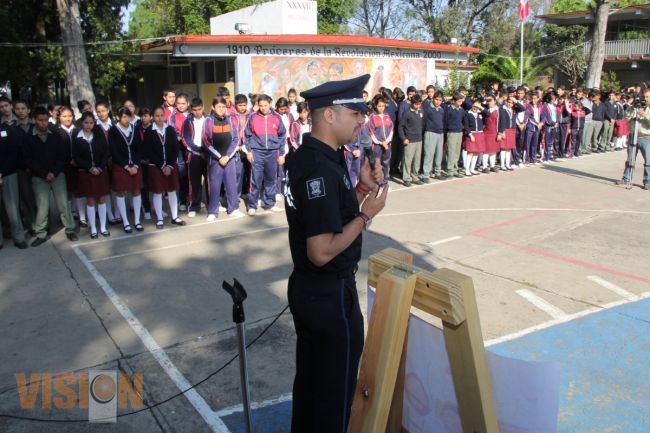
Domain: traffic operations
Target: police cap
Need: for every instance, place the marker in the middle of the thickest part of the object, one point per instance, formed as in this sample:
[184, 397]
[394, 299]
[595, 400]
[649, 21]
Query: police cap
[348, 93]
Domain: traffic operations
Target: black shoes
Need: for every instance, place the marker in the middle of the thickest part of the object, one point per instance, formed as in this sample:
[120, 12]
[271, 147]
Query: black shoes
[178, 222]
[72, 237]
[22, 245]
[38, 241]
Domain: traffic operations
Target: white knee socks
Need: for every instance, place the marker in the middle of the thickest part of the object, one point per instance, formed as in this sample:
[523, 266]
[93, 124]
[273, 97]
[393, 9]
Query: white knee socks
[493, 159]
[137, 208]
[465, 161]
[157, 205]
[80, 202]
[485, 161]
[508, 155]
[101, 210]
[172, 198]
[109, 207]
[121, 206]
[91, 218]
[502, 157]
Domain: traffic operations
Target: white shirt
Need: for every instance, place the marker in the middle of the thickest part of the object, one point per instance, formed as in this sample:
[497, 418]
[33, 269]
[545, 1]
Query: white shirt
[81, 134]
[160, 132]
[198, 129]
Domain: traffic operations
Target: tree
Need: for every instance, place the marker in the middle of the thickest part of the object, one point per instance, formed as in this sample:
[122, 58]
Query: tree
[597, 52]
[74, 53]
[376, 18]
[497, 67]
[564, 6]
[570, 59]
[333, 15]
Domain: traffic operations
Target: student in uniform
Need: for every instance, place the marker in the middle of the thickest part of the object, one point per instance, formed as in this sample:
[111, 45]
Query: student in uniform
[161, 148]
[282, 108]
[507, 132]
[25, 126]
[104, 124]
[352, 153]
[621, 129]
[434, 134]
[223, 92]
[519, 155]
[609, 121]
[128, 103]
[593, 135]
[126, 152]
[578, 117]
[410, 133]
[221, 166]
[7, 115]
[300, 127]
[474, 139]
[176, 119]
[490, 133]
[10, 149]
[381, 129]
[563, 139]
[197, 136]
[141, 126]
[90, 153]
[241, 116]
[534, 125]
[454, 115]
[67, 130]
[550, 119]
[292, 96]
[169, 103]
[265, 138]
[45, 156]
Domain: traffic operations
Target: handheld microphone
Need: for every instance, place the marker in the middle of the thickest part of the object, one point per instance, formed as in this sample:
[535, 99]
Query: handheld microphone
[366, 142]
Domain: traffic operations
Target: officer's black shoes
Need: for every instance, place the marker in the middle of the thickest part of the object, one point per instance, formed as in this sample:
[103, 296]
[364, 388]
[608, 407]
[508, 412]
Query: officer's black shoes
[38, 241]
[22, 245]
[72, 237]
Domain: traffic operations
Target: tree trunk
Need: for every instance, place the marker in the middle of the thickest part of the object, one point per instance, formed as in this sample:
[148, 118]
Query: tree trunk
[597, 52]
[74, 53]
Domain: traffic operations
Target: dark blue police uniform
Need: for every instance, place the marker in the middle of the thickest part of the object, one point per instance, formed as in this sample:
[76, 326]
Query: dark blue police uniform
[320, 198]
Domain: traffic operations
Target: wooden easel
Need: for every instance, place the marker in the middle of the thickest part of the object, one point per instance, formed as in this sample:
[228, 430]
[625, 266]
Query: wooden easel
[449, 295]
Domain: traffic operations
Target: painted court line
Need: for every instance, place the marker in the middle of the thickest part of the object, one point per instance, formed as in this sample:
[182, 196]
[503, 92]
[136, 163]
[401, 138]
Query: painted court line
[613, 288]
[254, 405]
[183, 244]
[444, 241]
[195, 399]
[554, 322]
[514, 209]
[542, 304]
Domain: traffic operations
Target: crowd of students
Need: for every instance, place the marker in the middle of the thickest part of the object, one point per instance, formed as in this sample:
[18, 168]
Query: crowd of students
[114, 166]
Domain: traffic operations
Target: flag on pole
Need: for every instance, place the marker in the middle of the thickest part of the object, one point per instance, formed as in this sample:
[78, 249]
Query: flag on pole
[523, 9]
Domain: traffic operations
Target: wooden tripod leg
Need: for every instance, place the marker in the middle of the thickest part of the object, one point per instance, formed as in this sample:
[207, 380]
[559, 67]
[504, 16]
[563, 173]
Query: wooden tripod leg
[383, 351]
[394, 424]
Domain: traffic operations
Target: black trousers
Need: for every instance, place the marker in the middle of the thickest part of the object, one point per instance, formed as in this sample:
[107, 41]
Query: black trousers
[197, 170]
[329, 326]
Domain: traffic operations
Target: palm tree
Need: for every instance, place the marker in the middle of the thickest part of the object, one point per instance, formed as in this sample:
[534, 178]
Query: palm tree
[497, 67]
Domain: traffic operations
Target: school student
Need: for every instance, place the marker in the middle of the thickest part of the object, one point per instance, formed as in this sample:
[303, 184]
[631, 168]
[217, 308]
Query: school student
[507, 132]
[578, 119]
[593, 135]
[242, 165]
[66, 130]
[609, 121]
[104, 124]
[10, 149]
[169, 103]
[474, 139]
[550, 119]
[223, 92]
[563, 139]
[141, 126]
[128, 103]
[176, 119]
[410, 133]
[434, 135]
[621, 129]
[534, 125]
[282, 108]
[381, 128]
[161, 148]
[45, 156]
[221, 164]
[265, 138]
[90, 153]
[490, 134]
[292, 97]
[197, 133]
[519, 155]
[300, 126]
[126, 152]
[454, 115]
[24, 126]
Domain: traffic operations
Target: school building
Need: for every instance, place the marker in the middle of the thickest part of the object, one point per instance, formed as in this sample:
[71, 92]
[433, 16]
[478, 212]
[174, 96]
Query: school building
[272, 47]
[627, 40]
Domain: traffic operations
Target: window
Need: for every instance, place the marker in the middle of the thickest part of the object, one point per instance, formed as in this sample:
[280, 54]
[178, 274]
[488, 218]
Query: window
[219, 71]
[184, 74]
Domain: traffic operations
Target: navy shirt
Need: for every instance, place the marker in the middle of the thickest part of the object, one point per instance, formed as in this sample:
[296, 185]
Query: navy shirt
[319, 199]
[454, 119]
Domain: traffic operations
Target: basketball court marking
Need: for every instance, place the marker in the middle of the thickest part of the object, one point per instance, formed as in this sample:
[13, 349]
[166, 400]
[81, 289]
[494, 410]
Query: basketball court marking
[542, 304]
[613, 288]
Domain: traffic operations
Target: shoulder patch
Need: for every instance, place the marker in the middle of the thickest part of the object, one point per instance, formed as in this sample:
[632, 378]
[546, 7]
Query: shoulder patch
[316, 188]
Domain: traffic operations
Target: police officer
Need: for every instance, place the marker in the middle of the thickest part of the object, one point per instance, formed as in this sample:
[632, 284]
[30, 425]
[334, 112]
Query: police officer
[325, 225]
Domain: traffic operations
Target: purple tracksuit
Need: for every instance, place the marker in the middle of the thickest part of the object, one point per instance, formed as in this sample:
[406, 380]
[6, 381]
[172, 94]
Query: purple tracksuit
[225, 139]
[266, 137]
[354, 164]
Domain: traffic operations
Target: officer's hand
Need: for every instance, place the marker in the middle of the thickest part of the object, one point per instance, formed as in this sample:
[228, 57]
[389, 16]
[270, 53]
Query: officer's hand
[249, 156]
[373, 205]
[371, 178]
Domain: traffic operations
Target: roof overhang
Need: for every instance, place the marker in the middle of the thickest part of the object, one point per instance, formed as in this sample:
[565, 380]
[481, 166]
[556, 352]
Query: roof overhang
[587, 16]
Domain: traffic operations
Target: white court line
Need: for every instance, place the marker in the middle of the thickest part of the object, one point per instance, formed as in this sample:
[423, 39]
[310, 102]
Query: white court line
[567, 318]
[182, 244]
[613, 288]
[254, 405]
[513, 209]
[444, 241]
[195, 399]
[542, 304]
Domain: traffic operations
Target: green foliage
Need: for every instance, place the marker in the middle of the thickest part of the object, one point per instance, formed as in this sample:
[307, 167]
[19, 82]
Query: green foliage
[334, 14]
[564, 6]
[494, 66]
[570, 58]
[455, 79]
[633, 35]
[608, 80]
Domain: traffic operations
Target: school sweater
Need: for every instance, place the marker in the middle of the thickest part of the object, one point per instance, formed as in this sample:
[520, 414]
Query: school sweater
[161, 151]
[610, 110]
[225, 137]
[454, 119]
[9, 149]
[597, 111]
[90, 154]
[125, 150]
[434, 118]
[411, 125]
[43, 157]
